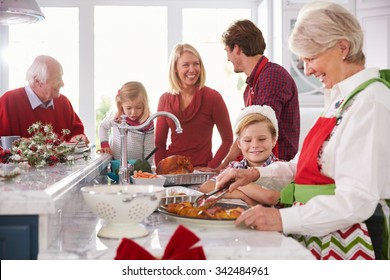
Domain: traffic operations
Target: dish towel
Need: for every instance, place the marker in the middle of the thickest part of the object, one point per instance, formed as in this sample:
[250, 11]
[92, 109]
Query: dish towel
[180, 247]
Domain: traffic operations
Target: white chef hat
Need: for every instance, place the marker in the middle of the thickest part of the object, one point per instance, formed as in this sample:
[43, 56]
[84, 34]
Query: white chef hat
[264, 110]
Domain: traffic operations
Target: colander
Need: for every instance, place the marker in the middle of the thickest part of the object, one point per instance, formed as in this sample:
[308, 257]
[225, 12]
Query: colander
[123, 207]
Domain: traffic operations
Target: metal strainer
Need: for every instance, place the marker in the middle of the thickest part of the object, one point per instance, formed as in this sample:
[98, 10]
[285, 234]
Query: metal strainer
[123, 207]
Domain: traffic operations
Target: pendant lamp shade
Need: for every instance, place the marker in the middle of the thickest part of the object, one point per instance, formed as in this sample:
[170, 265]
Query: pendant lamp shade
[19, 11]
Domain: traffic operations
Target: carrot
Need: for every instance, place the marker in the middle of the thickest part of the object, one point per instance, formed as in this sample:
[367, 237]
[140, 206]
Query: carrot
[141, 174]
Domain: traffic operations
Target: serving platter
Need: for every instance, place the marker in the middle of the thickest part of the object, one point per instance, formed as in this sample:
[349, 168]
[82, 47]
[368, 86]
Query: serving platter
[203, 222]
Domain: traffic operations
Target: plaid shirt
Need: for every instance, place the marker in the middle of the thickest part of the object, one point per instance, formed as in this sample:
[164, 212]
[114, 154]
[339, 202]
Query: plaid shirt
[243, 164]
[276, 88]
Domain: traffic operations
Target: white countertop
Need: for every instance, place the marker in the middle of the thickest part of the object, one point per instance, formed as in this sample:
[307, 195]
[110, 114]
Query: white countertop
[68, 228]
[39, 190]
[45, 192]
[79, 240]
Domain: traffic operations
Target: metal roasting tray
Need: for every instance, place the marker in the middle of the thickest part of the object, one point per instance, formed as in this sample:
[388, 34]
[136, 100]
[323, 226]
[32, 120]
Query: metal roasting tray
[187, 179]
[177, 199]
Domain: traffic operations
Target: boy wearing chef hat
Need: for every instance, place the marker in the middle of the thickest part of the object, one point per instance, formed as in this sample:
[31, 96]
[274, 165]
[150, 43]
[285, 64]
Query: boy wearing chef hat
[256, 130]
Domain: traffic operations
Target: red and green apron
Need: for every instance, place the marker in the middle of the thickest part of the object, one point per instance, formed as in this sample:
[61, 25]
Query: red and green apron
[350, 243]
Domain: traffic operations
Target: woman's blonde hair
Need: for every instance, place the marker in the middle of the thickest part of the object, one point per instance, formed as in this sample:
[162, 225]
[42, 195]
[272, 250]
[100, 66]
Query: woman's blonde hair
[321, 25]
[130, 91]
[253, 119]
[174, 80]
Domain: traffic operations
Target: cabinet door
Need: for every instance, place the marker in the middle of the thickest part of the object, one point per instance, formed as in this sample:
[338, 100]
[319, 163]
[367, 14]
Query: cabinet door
[18, 237]
[375, 23]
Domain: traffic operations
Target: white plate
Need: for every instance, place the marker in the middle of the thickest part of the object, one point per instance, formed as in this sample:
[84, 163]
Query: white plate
[79, 147]
[76, 144]
[81, 150]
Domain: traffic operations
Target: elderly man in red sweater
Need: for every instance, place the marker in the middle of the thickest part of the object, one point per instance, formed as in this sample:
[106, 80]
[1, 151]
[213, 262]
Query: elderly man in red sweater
[40, 101]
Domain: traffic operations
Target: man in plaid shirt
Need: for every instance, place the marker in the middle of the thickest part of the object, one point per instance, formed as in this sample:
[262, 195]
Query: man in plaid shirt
[267, 84]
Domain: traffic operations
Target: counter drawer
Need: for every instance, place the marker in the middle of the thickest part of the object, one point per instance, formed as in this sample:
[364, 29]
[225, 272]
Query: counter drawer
[18, 237]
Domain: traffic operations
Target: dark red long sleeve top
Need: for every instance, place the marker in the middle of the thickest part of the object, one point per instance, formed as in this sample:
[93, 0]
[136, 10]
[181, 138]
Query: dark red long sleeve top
[206, 110]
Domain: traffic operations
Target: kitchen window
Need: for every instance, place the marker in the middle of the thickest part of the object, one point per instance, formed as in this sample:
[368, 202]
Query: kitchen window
[130, 46]
[58, 36]
[219, 71]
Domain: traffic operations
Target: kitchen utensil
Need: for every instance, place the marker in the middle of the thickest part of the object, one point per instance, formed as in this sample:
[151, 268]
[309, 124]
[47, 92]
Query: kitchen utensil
[209, 199]
[151, 153]
[123, 208]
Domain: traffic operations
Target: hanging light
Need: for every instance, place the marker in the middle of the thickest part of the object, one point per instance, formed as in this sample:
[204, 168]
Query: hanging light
[19, 11]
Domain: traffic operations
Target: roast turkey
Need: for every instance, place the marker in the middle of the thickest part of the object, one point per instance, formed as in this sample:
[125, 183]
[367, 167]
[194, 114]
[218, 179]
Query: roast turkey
[175, 165]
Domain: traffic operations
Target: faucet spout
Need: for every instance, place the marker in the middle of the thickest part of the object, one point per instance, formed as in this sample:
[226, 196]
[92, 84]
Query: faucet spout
[179, 129]
[123, 127]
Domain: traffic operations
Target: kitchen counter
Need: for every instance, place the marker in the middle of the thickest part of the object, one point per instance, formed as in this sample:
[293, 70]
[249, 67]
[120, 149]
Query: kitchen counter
[79, 240]
[32, 203]
[67, 229]
[41, 190]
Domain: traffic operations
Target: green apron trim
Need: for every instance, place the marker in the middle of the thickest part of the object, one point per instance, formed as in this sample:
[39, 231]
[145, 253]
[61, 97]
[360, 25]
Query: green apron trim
[287, 194]
[386, 233]
[303, 193]
[384, 78]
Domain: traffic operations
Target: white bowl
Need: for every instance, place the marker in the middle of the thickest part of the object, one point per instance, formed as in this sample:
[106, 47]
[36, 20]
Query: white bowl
[159, 181]
[123, 207]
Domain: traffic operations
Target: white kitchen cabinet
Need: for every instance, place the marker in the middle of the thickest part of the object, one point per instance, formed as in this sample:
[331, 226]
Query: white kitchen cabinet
[371, 4]
[374, 16]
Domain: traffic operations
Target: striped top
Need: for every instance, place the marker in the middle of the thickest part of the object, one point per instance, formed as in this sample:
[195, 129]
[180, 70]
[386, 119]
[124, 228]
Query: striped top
[139, 143]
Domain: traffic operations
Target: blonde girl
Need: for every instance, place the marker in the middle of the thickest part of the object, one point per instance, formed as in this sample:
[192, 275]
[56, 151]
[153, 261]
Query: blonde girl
[131, 100]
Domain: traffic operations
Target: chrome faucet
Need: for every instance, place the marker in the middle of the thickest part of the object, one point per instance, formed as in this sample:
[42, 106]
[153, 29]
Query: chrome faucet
[124, 174]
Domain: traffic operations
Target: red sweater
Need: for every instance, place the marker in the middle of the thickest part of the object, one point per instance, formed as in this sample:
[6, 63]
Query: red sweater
[206, 110]
[16, 115]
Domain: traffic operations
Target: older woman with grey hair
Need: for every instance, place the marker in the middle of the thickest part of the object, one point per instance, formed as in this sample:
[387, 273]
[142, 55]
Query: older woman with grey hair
[342, 171]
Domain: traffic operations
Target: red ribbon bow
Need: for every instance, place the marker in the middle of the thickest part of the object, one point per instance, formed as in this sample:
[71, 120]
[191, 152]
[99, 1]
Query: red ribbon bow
[180, 247]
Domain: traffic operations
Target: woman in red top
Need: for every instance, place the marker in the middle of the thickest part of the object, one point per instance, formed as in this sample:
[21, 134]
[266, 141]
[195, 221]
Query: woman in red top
[198, 107]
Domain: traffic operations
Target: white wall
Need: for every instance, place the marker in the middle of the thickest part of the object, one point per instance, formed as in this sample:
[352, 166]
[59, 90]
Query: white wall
[308, 116]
